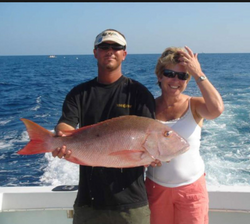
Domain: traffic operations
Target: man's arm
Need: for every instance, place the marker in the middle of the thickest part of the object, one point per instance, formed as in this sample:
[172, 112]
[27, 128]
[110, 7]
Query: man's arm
[63, 127]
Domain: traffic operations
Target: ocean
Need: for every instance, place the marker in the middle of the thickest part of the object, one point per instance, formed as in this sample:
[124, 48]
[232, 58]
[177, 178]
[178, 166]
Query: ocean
[34, 87]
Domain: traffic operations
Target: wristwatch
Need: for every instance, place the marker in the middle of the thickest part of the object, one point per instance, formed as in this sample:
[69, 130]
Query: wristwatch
[201, 78]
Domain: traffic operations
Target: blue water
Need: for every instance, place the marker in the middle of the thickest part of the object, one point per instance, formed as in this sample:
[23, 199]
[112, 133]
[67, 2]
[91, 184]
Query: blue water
[34, 87]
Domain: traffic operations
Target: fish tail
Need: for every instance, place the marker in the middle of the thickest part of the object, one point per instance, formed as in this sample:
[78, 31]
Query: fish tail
[39, 139]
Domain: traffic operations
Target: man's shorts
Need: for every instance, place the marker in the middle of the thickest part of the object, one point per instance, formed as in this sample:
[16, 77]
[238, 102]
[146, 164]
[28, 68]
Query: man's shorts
[89, 215]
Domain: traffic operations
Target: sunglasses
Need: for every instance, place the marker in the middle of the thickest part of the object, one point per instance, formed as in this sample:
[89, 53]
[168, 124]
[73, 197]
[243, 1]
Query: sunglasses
[115, 47]
[172, 74]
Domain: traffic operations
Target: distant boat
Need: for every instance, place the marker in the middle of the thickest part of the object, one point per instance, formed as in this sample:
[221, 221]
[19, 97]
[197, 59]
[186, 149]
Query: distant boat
[52, 56]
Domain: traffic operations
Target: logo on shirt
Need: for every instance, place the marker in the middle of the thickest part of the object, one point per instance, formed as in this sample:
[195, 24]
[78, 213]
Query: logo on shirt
[124, 105]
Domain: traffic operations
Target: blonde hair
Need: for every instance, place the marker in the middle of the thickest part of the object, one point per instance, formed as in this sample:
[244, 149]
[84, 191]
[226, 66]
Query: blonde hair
[170, 56]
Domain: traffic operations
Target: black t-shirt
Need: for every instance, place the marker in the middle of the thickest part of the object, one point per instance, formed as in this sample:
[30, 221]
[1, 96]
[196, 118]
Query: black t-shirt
[90, 103]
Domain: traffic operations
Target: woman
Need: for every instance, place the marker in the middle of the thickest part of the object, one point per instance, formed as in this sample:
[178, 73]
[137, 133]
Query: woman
[177, 190]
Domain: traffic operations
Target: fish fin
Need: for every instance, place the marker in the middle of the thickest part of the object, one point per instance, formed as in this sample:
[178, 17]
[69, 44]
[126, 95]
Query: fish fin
[38, 138]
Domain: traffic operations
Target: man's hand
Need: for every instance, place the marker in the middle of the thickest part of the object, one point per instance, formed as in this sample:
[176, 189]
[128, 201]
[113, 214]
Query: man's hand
[62, 152]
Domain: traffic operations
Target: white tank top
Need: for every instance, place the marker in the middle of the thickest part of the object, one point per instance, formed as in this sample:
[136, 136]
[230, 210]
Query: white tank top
[187, 167]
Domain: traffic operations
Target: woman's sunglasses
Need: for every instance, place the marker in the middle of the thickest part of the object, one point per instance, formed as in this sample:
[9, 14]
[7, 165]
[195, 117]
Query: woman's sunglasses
[172, 74]
[106, 46]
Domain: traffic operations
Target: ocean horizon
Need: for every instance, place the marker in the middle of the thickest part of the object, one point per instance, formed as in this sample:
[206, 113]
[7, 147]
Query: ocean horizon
[24, 55]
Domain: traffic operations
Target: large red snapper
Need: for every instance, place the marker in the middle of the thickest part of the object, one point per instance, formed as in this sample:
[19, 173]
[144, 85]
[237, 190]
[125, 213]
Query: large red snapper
[126, 141]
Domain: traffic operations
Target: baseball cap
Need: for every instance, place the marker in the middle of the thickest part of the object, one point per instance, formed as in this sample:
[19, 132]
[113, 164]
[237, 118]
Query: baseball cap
[110, 35]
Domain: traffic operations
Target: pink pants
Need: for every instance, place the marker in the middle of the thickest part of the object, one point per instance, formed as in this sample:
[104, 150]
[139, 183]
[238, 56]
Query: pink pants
[179, 205]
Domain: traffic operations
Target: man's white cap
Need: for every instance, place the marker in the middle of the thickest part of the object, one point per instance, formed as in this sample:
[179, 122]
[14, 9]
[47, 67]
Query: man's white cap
[110, 35]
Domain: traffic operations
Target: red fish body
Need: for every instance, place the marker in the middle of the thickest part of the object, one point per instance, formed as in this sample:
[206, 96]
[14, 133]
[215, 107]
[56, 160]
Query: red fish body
[126, 141]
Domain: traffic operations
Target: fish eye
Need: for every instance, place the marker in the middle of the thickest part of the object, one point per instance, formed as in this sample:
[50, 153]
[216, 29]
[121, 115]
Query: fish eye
[168, 133]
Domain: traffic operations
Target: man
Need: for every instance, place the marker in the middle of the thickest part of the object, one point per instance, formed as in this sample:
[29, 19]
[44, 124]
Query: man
[107, 195]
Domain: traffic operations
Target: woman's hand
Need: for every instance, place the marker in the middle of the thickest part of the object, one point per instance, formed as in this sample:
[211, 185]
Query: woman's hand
[190, 61]
[155, 163]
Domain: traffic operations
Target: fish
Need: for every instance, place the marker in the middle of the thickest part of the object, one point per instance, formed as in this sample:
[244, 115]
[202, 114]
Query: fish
[120, 142]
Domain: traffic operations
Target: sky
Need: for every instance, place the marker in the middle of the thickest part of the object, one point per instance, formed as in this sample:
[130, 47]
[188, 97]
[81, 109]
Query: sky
[70, 28]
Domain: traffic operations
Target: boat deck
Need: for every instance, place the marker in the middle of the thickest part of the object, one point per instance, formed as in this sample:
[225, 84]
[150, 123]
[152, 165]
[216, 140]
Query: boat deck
[50, 205]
